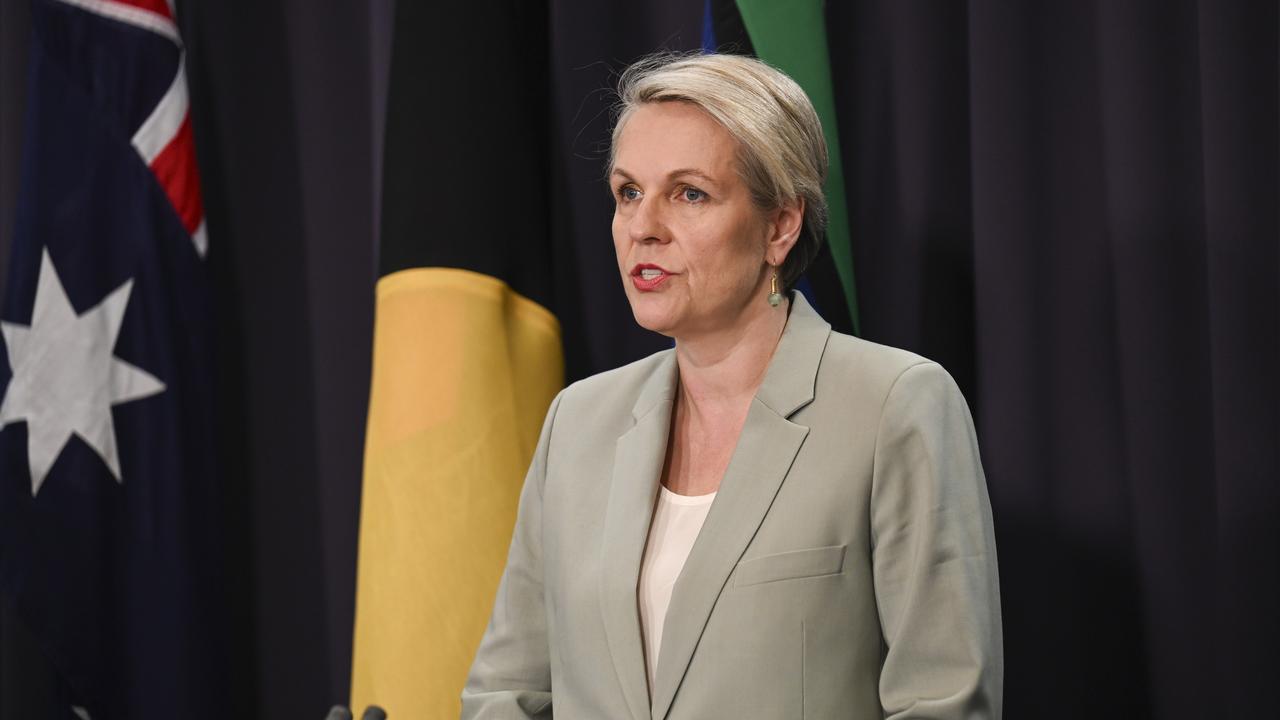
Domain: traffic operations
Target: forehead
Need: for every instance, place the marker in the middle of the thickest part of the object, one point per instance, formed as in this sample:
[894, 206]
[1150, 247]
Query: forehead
[660, 137]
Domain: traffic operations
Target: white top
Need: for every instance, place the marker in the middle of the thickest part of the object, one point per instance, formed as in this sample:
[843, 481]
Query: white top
[677, 519]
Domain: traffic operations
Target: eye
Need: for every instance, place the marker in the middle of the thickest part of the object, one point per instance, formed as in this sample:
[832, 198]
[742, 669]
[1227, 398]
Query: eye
[628, 193]
[692, 195]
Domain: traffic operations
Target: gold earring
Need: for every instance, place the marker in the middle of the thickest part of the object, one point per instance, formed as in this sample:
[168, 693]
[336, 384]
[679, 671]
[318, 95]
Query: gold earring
[775, 297]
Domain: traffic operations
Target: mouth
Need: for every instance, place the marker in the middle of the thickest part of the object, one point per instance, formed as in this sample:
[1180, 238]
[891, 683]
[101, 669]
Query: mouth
[648, 277]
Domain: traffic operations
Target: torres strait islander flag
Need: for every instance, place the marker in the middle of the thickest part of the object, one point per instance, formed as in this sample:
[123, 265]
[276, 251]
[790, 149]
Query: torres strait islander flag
[108, 513]
[791, 35]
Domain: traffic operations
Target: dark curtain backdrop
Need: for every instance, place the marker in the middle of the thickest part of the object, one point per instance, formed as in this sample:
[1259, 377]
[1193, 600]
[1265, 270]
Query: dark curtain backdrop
[1074, 206]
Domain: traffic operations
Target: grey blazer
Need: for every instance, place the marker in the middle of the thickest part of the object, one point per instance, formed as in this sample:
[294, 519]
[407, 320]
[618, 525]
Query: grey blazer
[847, 568]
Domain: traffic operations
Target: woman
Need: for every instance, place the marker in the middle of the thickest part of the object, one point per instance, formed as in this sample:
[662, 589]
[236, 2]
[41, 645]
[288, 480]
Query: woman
[771, 520]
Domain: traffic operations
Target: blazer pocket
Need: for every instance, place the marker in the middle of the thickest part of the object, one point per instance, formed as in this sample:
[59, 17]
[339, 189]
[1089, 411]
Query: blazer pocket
[790, 565]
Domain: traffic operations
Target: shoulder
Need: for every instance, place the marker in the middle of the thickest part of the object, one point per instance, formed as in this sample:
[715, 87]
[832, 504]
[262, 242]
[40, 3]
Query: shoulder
[871, 364]
[880, 378]
[610, 395]
[619, 384]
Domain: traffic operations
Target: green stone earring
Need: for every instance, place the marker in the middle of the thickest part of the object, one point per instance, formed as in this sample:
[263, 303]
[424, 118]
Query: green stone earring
[775, 297]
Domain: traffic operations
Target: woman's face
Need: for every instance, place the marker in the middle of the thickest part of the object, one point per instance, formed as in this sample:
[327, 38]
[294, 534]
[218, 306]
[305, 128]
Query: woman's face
[691, 245]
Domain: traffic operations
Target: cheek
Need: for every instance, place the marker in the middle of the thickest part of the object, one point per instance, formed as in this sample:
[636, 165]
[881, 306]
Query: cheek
[719, 275]
[732, 259]
[619, 238]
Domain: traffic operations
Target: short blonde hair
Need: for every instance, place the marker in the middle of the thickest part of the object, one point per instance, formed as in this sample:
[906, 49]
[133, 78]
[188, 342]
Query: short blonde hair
[782, 155]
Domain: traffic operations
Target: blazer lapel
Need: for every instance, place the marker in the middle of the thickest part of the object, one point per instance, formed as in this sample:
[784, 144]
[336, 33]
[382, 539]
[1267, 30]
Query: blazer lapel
[766, 448]
[637, 467]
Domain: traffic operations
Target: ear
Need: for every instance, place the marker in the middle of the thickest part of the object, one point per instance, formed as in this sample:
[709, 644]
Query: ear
[785, 224]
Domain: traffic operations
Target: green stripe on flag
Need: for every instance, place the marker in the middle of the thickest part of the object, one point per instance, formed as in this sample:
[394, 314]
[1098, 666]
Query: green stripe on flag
[792, 36]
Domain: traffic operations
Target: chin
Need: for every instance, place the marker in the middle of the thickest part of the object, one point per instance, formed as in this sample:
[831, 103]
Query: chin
[652, 316]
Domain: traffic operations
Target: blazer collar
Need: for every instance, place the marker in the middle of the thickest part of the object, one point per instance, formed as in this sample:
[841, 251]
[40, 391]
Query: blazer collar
[766, 448]
[637, 467]
[793, 370]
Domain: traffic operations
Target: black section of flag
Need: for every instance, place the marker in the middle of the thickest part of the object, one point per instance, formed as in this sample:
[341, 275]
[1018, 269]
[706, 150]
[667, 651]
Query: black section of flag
[466, 179]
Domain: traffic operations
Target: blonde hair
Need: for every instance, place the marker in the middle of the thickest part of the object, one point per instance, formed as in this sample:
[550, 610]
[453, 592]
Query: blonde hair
[782, 155]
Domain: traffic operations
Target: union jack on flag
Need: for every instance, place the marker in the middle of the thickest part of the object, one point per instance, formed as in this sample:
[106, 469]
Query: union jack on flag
[109, 531]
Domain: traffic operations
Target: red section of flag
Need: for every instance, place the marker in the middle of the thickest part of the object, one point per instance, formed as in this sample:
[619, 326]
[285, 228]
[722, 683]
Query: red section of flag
[159, 7]
[175, 169]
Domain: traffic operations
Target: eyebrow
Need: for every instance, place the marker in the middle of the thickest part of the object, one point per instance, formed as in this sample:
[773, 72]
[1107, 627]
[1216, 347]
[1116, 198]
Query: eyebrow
[692, 172]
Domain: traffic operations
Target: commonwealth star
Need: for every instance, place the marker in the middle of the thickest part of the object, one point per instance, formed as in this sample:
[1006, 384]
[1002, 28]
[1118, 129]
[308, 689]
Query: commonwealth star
[65, 376]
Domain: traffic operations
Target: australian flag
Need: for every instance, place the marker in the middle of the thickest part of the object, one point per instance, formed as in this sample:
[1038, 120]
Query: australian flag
[109, 534]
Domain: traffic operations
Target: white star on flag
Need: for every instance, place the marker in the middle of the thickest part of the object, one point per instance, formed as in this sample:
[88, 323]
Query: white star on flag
[65, 377]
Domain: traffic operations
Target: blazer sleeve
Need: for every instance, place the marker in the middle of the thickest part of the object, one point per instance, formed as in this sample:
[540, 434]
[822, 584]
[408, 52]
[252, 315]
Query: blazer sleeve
[510, 677]
[934, 556]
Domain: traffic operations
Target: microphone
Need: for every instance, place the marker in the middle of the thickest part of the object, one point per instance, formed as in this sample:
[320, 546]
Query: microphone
[339, 712]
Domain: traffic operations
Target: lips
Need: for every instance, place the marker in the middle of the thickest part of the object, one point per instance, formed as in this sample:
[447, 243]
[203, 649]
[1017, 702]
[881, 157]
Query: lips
[648, 277]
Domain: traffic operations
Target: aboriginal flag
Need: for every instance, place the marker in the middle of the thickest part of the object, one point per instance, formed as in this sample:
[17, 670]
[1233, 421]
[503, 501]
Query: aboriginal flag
[108, 529]
[467, 356]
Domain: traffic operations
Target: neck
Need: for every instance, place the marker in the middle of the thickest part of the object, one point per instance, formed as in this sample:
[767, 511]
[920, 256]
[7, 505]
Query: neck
[726, 366]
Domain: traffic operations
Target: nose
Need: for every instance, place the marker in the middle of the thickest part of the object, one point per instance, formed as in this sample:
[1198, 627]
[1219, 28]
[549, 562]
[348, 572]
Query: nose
[647, 224]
